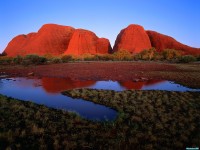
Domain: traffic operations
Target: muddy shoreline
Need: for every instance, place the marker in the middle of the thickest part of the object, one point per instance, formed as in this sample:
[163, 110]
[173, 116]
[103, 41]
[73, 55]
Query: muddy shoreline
[186, 74]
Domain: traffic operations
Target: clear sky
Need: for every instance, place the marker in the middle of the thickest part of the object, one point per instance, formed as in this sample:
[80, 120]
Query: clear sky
[177, 18]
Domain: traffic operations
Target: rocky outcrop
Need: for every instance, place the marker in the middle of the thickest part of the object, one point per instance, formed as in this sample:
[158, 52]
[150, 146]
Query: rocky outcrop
[133, 39]
[103, 46]
[55, 40]
[50, 39]
[86, 42]
[161, 42]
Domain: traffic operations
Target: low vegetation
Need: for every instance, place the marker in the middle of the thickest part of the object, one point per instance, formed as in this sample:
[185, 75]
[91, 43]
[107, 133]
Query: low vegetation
[169, 55]
[146, 120]
[188, 58]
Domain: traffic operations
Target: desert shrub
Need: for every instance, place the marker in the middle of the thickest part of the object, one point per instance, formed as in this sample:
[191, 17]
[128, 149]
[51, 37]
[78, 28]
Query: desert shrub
[198, 58]
[123, 55]
[187, 59]
[33, 59]
[147, 54]
[48, 56]
[169, 54]
[56, 60]
[88, 57]
[6, 60]
[66, 58]
[18, 59]
[157, 56]
[76, 58]
[96, 57]
[106, 57]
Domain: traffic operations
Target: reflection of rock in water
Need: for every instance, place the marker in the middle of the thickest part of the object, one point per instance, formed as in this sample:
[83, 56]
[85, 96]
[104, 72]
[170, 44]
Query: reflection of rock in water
[55, 85]
[138, 85]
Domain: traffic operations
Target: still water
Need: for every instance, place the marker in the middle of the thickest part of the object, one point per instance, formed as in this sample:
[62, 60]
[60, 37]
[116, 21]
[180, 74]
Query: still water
[46, 91]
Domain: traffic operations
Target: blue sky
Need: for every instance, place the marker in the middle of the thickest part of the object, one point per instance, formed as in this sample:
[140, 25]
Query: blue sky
[177, 18]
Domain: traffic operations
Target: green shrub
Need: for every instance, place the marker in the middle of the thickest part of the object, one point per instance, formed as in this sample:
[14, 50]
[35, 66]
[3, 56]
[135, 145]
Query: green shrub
[18, 59]
[33, 59]
[187, 59]
[147, 54]
[6, 60]
[198, 58]
[56, 60]
[66, 58]
[169, 54]
[157, 56]
[106, 57]
[48, 56]
[96, 57]
[123, 55]
[88, 57]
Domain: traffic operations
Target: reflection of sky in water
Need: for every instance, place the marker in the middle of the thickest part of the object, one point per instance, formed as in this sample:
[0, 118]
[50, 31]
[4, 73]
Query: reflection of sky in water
[158, 85]
[47, 91]
[108, 85]
[28, 91]
[168, 86]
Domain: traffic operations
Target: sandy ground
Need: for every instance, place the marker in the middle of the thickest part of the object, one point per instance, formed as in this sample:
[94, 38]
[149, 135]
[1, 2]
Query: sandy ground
[186, 74]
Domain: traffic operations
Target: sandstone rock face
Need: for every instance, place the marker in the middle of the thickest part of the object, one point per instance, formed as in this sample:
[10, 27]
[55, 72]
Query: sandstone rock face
[103, 46]
[133, 39]
[16, 45]
[161, 42]
[55, 40]
[50, 39]
[86, 42]
[82, 42]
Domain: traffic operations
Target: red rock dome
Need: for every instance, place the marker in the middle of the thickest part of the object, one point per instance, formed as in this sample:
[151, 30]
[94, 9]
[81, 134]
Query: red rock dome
[161, 42]
[56, 40]
[86, 42]
[82, 42]
[50, 39]
[103, 46]
[133, 39]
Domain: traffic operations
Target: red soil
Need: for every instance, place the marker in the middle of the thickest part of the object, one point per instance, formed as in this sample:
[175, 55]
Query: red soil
[121, 71]
[187, 74]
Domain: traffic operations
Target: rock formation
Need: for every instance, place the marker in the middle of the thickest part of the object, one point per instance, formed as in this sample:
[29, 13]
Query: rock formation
[133, 39]
[57, 40]
[86, 42]
[50, 39]
[161, 42]
[103, 46]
